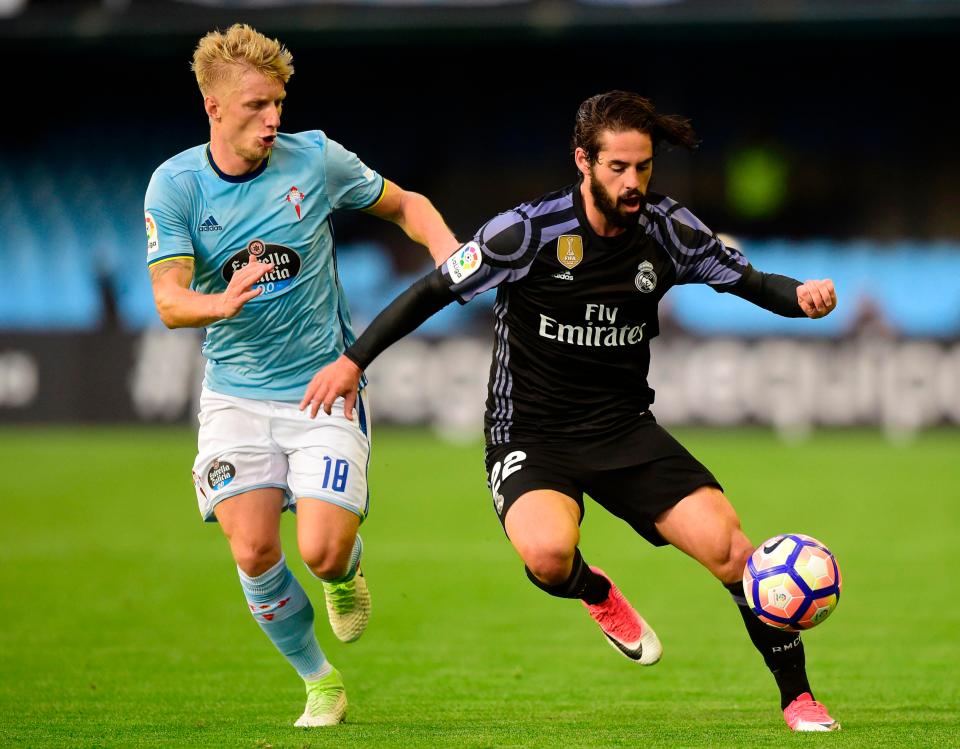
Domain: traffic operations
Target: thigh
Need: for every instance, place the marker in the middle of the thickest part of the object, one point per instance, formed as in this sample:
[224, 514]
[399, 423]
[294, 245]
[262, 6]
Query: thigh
[251, 523]
[235, 452]
[328, 455]
[324, 529]
[665, 473]
[705, 526]
[514, 471]
[543, 519]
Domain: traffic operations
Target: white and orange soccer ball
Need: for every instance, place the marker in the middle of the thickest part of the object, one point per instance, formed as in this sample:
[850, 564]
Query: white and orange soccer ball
[792, 582]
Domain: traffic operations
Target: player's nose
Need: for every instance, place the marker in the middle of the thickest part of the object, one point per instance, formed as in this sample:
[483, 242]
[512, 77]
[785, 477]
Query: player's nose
[272, 118]
[631, 179]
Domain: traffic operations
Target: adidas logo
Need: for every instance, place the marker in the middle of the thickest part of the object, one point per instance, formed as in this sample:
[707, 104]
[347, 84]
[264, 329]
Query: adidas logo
[210, 224]
[565, 276]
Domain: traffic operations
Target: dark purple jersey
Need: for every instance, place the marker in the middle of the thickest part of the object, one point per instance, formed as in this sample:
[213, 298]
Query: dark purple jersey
[575, 312]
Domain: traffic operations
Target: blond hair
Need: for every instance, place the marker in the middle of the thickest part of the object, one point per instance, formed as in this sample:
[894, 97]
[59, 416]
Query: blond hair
[224, 55]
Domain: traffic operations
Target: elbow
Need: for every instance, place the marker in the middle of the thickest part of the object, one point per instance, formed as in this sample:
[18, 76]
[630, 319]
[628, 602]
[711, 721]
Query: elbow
[169, 322]
[416, 207]
[166, 313]
[406, 207]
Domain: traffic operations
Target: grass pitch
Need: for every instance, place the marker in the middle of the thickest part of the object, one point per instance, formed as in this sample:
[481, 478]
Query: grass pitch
[123, 623]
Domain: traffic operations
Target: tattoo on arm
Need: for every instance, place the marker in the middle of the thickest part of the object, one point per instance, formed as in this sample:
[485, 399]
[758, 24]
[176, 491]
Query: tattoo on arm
[159, 270]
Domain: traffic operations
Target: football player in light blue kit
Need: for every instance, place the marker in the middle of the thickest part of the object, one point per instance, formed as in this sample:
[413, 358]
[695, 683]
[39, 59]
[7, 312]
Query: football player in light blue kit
[239, 241]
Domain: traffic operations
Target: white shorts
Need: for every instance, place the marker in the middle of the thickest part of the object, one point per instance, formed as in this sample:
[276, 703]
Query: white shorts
[249, 444]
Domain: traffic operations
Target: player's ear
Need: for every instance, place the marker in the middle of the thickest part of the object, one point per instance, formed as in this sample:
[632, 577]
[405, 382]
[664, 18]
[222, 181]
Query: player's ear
[582, 162]
[212, 107]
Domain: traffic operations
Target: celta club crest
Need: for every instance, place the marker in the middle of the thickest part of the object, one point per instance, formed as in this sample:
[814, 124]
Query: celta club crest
[646, 279]
[570, 250]
[295, 198]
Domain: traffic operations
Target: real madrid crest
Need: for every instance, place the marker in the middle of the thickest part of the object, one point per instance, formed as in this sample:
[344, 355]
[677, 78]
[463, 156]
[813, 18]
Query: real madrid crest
[570, 250]
[646, 279]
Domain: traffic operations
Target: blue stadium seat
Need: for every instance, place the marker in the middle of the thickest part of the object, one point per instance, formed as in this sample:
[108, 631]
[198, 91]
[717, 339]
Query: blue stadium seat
[919, 289]
[61, 244]
[913, 288]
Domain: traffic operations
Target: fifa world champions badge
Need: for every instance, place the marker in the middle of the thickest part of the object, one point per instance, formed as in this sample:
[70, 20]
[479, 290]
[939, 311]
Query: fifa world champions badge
[295, 198]
[570, 250]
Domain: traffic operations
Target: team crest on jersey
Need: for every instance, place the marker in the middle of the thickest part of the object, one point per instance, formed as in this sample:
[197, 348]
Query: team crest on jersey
[646, 279]
[153, 241]
[295, 198]
[570, 250]
[464, 262]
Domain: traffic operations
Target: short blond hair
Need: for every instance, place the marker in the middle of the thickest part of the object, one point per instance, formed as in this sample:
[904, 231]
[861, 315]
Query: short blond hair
[223, 55]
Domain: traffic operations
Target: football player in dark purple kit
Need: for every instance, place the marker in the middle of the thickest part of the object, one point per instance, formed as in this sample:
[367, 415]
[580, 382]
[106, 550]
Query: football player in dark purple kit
[579, 275]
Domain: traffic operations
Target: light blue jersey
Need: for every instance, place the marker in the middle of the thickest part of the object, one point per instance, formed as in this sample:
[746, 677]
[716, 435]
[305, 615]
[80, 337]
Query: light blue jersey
[282, 213]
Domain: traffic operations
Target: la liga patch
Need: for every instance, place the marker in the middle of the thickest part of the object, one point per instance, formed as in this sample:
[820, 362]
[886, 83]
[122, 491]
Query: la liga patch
[464, 262]
[153, 242]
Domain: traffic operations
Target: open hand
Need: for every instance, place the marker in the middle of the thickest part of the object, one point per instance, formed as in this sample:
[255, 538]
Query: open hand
[240, 289]
[342, 377]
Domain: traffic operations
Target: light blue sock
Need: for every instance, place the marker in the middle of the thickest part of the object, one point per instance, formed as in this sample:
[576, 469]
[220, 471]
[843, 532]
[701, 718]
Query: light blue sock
[352, 567]
[283, 611]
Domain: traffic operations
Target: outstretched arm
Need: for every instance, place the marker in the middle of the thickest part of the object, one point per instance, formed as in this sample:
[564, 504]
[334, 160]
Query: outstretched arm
[402, 316]
[418, 218]
[786, 296]
[181, 307]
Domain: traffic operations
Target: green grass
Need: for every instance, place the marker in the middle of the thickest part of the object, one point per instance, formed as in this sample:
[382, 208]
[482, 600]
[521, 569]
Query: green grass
[123, 624]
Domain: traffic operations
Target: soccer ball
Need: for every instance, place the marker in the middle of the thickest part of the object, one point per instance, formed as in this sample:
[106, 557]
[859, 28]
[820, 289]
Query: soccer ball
[792, 582]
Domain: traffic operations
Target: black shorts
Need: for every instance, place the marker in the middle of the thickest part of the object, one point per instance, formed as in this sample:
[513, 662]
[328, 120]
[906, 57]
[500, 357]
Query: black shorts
[657, 473]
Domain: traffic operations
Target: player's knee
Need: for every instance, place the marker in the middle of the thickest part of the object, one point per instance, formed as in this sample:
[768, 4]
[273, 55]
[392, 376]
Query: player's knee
[328, 562]
[255, 558]
[329, 569]
[551, 564]
[730, 563]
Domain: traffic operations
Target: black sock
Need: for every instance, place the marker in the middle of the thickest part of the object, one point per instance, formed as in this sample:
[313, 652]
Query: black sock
[583, 583]
[782, 651]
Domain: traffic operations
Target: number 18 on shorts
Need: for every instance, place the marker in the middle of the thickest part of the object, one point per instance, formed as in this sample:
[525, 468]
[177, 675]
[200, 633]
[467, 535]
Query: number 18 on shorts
[247, 444]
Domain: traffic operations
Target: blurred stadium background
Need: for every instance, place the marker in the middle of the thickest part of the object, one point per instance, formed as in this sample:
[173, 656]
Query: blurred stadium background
[827, 151]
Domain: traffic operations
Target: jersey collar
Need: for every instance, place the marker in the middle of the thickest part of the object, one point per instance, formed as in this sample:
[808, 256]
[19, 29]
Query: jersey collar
[240, 177]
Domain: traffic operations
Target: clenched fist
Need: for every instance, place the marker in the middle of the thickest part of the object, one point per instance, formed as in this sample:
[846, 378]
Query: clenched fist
[817, 298]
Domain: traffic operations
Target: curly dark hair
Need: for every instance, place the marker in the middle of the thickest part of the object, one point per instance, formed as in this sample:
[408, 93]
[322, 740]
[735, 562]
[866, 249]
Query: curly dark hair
[622, 110]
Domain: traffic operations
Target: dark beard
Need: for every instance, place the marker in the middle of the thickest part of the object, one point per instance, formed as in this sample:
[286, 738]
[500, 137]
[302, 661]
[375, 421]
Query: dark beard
[609, 209]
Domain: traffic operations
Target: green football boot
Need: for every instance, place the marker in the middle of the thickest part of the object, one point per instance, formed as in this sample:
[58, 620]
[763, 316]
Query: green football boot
[348, 607]
[326, 702]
